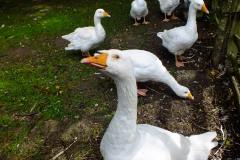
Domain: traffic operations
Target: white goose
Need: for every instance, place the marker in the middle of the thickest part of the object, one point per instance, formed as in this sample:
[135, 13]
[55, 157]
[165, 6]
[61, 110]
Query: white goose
[179, 39]
[167, 7]
[124, 139]
[87, 38]
[148, 67]
[138, 10]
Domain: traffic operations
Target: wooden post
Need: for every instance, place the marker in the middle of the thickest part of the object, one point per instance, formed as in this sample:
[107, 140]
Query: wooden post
[227, 44]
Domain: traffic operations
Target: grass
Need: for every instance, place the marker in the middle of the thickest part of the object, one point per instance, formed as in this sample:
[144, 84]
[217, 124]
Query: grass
[42, 78]
[55, 18]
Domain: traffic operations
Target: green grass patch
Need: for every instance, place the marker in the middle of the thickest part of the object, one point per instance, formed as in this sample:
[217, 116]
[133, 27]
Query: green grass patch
[47, 81]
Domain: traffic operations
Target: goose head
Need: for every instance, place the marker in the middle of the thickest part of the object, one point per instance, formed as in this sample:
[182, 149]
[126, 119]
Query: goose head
[100, 13]
[184, 92]
[112, 62]
[200, 5]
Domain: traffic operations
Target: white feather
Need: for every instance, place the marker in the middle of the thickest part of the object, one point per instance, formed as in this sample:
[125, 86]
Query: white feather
[168, 6]
[139, 9]
[87, 38]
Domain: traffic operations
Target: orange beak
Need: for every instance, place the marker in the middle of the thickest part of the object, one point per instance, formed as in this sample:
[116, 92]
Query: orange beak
[189, 96]
[106, 14]
[204, 9]
[99, 61]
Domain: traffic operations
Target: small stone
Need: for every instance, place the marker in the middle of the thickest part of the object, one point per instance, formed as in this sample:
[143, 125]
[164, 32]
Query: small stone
[76, 117]
[50, 126]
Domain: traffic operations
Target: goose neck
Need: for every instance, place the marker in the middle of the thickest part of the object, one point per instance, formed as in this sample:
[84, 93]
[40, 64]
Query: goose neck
[98, 25]
[171, 82]
[192, 13]
[123, 127]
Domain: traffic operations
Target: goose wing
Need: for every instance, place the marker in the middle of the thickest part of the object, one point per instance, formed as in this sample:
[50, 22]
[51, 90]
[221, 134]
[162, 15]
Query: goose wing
[146, 65]
[176, 39]
[84, 33]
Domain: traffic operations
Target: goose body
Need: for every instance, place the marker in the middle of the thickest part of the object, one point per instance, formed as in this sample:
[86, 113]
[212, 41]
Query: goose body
[148, 67]
[179, 39]
[87, 38]
[139, 10]
[168, 6]
[124, 139]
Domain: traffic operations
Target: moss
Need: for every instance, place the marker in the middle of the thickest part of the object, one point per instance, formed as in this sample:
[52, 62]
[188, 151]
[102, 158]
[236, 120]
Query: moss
[43, 78]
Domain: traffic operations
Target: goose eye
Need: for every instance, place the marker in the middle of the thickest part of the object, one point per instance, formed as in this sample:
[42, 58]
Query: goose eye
[115, 56]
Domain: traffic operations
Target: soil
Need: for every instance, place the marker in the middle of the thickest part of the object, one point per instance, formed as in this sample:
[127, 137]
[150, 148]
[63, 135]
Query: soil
[213, 107]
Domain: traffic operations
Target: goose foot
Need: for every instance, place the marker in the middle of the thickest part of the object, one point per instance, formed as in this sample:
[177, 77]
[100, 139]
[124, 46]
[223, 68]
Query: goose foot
[142, 92]
[165, 18]
[178, 63]
[144, 21]
[173, 17]
[136, 23]
[181, 58]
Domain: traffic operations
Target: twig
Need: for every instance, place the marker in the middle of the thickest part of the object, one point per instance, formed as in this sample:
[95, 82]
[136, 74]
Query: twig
[208, 47]
[195, 50]
[26, 115]
[190, 57]
[192, 61]
[34, 106]
[60, 153]
[224, 139]
[200, 127]
[221, 73]
[235, 84]
[153, 90]
[238, 74]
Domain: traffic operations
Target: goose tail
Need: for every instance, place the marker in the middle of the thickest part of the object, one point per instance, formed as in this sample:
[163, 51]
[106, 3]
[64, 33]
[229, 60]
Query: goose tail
[70, 47]
[202, 144]
[160, 34]
[66, 37]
